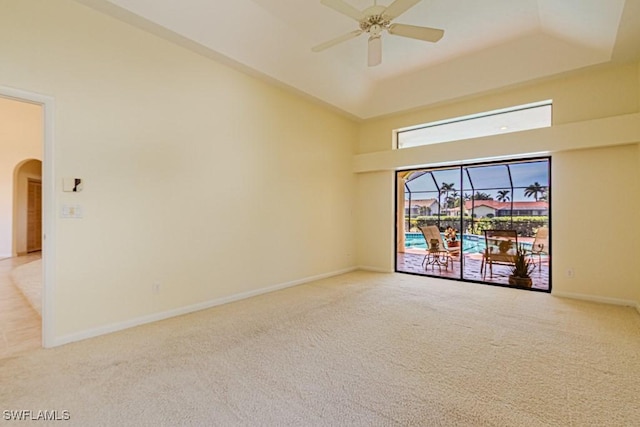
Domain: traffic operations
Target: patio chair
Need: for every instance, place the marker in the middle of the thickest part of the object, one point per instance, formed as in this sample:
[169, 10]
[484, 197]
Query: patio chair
[540, 246]
[432, 234]
[500, 247]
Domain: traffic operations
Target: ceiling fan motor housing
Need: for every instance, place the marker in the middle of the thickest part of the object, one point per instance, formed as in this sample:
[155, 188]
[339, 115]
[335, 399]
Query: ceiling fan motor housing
[374, 24]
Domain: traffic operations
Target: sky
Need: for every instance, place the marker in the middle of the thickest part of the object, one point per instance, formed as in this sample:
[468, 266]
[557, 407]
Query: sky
[483, 178]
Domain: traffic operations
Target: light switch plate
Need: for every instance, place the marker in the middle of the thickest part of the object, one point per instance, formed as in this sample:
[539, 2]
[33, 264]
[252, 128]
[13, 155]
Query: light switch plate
[71, 211]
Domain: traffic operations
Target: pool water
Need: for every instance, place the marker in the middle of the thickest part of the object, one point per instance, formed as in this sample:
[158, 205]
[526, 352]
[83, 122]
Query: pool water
[472, 243]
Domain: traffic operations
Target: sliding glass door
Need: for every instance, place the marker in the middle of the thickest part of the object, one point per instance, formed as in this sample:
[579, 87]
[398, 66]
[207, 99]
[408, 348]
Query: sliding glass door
[448, 218]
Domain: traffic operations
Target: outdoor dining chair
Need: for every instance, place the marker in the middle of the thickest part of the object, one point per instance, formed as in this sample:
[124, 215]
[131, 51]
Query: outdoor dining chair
[436, 246]
[540, 246]
[500, 248]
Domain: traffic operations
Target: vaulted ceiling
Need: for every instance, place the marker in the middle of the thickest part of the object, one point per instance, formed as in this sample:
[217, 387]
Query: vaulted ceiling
[487, 44]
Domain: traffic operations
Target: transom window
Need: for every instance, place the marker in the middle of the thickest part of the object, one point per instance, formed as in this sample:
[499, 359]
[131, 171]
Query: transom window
[513, 119]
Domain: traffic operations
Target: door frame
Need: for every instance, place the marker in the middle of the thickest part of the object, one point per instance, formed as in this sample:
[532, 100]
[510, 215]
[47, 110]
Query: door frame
[48, 205]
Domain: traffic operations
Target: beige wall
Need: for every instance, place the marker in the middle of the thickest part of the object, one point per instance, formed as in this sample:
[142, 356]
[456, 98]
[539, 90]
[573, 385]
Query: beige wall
[20, 140]
[375, 213]
[637, 229]
[196, 176]
[593, 145]
[595, 237]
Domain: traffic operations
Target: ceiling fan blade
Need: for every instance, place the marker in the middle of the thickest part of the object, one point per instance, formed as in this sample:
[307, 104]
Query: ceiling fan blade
[420, 33]
[375, 51]
[399, 7]
[344, 8]
[333, 42]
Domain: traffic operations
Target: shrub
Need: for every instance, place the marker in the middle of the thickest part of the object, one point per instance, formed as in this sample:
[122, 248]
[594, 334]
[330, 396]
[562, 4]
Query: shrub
[525, 225]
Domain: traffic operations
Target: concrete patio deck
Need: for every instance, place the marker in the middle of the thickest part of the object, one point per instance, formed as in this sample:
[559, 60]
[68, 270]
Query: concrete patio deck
[411, 262]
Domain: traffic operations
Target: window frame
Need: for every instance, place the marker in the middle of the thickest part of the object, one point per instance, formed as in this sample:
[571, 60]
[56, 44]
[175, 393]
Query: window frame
[476, 120]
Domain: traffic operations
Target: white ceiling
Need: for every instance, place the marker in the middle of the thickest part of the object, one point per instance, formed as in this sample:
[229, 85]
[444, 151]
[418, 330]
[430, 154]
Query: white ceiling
[487, 44]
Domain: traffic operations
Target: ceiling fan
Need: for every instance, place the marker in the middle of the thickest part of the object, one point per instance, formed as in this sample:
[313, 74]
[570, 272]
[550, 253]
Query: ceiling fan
[376, 19]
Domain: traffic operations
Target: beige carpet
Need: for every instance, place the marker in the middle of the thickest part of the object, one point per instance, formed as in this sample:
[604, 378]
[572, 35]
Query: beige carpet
[28, 278]
[358, 349]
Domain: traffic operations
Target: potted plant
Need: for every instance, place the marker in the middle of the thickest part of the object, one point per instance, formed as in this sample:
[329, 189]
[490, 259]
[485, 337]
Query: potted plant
[522, 269]
[451, 237]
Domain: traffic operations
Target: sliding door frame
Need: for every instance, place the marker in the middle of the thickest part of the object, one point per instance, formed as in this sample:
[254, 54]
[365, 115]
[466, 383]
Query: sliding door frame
[462, 167]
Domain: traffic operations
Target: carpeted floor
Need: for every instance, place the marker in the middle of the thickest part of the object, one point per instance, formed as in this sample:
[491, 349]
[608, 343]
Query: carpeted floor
[357, 349]
[28, 279]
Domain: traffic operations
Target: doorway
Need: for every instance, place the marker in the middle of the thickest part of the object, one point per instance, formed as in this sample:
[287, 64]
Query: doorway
[29, 226]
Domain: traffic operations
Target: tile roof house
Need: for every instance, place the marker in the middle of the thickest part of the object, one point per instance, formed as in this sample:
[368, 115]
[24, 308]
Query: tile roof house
[491, 208]
[421, 207]
[483, 208]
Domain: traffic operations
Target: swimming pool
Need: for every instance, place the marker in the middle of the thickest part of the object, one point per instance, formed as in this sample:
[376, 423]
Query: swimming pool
[472, 243]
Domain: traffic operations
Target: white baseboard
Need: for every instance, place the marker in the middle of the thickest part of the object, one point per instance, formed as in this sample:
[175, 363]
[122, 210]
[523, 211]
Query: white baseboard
[114, 327]
[596, 298]
[374, 269]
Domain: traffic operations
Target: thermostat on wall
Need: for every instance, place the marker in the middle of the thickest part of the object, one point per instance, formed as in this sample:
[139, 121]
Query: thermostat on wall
[72, 184]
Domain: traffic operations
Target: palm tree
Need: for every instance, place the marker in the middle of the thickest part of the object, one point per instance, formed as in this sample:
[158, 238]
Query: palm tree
[454, 200]
[482, 196]
[503, 196]
[535, 190]
[444, 189]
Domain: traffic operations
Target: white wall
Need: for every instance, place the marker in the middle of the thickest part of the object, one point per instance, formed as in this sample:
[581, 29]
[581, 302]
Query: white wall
[20, 140]
[196, 176]
[483, 211]
[593, 144]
